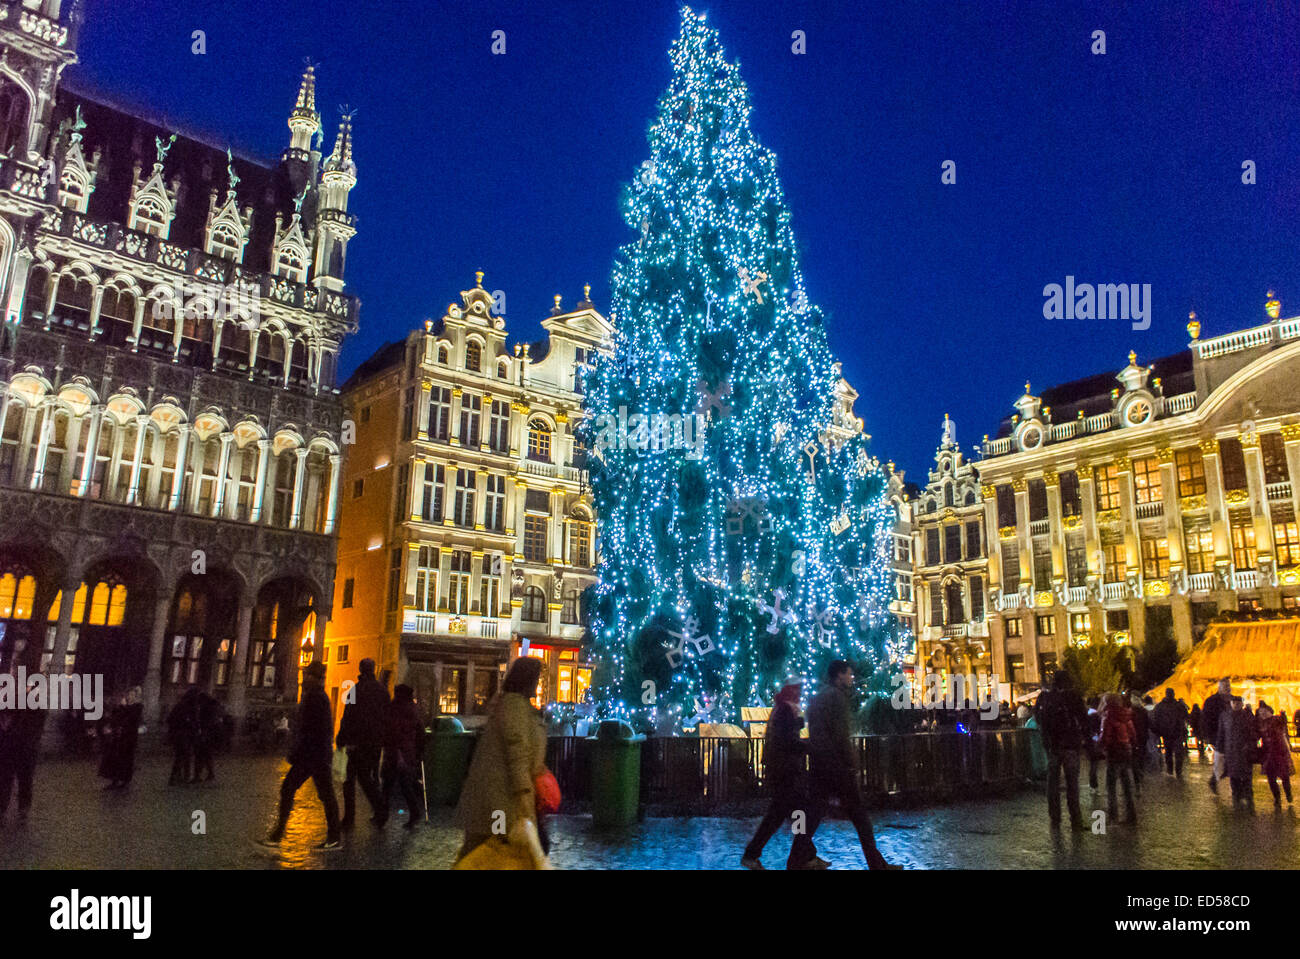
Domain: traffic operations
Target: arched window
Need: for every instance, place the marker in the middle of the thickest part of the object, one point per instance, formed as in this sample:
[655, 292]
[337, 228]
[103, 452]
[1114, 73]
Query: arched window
[572, 611]
[947, 494]
[72, 303]
[282, 500]
[539, 441]
[443, 354]
[116, 316]
[473, 356]
[38, 289]
[534, 608]
[503, 369]
[579, 544]
[13, 121]
[970, 497]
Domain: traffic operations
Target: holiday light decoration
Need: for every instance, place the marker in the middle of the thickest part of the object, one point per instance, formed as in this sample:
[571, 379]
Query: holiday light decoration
[773, 544]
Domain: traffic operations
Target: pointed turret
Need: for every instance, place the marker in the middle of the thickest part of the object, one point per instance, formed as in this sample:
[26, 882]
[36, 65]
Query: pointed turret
[335, 226]
[304, 121]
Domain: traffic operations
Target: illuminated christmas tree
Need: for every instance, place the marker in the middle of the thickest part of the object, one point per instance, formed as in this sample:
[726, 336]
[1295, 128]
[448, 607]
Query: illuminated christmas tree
[743, 530]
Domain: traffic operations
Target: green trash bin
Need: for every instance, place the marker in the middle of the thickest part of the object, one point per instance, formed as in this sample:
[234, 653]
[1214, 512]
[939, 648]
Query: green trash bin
[447, 750]
[1037, 752]
[615, 774]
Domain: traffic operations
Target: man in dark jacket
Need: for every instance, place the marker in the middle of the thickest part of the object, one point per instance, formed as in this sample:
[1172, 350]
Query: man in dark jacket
[20, 740]
[833, 763]
[785, 780]
[1063, 721]
[1211, 713]
[1170, 722]
[403, 738]
[361, 733]
[311, 757]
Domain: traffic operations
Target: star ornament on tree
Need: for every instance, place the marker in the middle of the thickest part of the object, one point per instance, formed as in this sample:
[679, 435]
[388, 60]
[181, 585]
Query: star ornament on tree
[751, 284]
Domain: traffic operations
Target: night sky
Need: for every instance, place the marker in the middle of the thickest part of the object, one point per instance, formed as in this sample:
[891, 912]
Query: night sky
[1122, 168]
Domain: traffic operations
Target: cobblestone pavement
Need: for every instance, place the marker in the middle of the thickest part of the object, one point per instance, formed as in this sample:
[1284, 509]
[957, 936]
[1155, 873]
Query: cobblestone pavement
[76, 825]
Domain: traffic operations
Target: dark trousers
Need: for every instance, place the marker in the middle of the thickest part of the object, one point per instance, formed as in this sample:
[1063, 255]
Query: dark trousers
[1121, 770]
[399, 776]
[786, 798]
[363, 767]
[183, 760]
[17, 767]
[1242, 790]
[1064, 763]
[322, 775]
[1093, 760]
[1175, 748]
[1139, 762]
[203, 748]
[844, 788]
[1286, 784]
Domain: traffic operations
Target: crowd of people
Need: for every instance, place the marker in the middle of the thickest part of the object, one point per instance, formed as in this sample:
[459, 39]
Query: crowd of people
[1132, 735]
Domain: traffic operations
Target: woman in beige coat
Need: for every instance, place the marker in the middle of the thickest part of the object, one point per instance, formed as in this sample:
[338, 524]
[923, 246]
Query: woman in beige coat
[511, 752]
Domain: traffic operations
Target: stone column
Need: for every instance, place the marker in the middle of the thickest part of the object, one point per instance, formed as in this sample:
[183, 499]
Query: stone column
[331, 510]
[223, 479]
[295, 516]
[96, 304]
[259, 485]
[43, 433]
[141, 422]
[137, 324]
[1262, 520]
[422, 413]
[252, 351]
[237, 701]
[92, 450]
[1291, 437]
[182, 462]
[157, 647]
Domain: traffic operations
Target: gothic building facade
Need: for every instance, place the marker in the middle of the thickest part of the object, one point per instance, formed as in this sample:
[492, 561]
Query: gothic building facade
[467, 535]
[169, 427]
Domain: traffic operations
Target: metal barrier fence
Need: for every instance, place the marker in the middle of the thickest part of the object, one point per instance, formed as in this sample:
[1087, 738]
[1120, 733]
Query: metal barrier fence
[697, 775]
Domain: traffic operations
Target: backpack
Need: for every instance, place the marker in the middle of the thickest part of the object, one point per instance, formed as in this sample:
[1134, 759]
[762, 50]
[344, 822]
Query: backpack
[1060, 723]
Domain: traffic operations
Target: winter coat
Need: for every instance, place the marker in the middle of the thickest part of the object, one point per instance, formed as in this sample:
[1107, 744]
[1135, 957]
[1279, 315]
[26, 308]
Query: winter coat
[1118, 737]
[363, 718]
[783, 750]
[830, 744]
[1063, 719]
[118, 762]
[1239, 739]
[403, 733]
[183, 720]
[1141, 727]
[1170, 720]
[1211, 713]
[510, 753]
[1276, 748]
[313, 743]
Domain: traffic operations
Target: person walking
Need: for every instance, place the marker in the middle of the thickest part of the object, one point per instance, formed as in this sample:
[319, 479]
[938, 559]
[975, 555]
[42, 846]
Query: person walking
[1211, 713]
[1063, 722]
[499, 795]
[182, 730]
[123, 733]
[361, 733]
[1239, 738]
[785, 776]
[1141, 742]
[1170, 722]
[1194, 727]
[403, 735]
[207, 736]
[20, 740]
[311, 758]
[1117, 742]
[834, 764]
[1275, 750]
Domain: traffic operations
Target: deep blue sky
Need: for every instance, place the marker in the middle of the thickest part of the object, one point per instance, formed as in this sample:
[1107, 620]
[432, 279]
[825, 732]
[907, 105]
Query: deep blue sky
[1117, 168]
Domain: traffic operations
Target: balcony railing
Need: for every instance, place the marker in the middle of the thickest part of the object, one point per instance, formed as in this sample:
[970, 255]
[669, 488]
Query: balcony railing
[1076, 595]
[1245, 579]
[1182, 403]
[553, 471]
[1234, 342]
[1200, 582]
[1113, 591]
[1149, 510]
[1040, 527]
[1280, 491]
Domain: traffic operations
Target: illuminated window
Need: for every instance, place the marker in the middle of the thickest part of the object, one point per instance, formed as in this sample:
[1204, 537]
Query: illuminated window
[458, 584]
[534, 608]
[1191, 472]
[1116, 562]
[17, 596]
[426, 579]
[535, 538]
[1146, 480]
[439, 412]
[1199, 541]
[579, 543]
[1155, 558]
[1286, 538]
[473, 357]
[539, 441]
[1243, 539]
[1106, 479]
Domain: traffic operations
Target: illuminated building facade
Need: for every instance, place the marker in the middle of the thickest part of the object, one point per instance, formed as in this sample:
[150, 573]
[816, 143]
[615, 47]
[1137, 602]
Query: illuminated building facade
[1140, 504]
[169, 427]
[466, 533]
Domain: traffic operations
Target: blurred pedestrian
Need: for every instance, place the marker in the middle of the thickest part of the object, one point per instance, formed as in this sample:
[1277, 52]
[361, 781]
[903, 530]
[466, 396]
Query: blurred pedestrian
[1275, 750]
[834, 763]
[183, 730]
[1169, 719]
[499, 794]
[20, 740]
[1219, 704]
[361, 733]
[1194, 727]
[1142, 739]
[311, 758]
[1063, 720]
[785, 780]
[121, 736]
[1239, 738]
[208, 735]
[403, 736]
[1118, 738]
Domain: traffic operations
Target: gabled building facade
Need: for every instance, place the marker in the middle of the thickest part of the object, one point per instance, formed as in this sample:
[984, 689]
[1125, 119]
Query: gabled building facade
[169, 426]
[467, 534]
